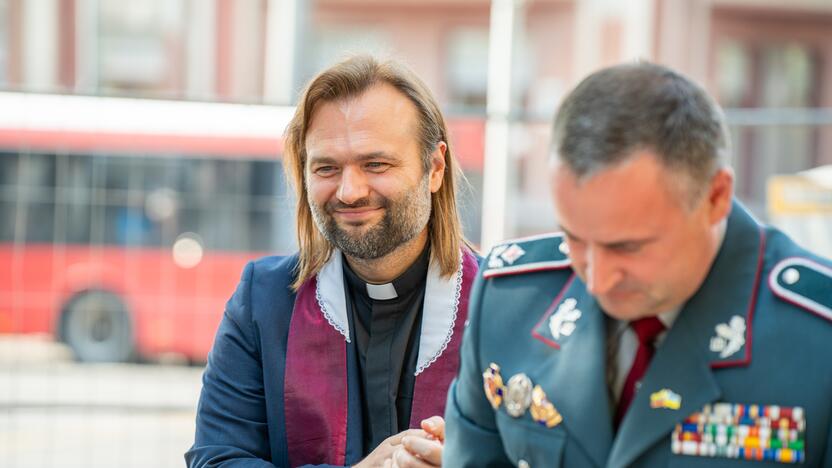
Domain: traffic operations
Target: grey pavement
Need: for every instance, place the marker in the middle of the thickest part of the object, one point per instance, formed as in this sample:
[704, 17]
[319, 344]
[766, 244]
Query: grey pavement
[56, 412]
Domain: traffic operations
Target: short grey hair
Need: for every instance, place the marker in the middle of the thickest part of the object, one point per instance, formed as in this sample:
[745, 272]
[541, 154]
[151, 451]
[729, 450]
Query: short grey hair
[641, 106]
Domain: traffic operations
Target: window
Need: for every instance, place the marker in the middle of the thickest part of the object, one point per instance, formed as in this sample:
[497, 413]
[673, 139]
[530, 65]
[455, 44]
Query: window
[468, 69]
[733, 62]
[4, 41]
[138, 201]
[331, 44]
[768, 75]
[140, 46]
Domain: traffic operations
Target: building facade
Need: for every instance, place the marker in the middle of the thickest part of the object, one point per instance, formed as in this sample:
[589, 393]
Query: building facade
[768, 62]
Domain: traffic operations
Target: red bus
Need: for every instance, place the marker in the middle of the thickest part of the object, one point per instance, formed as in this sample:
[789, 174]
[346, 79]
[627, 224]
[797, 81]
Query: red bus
[125, 223]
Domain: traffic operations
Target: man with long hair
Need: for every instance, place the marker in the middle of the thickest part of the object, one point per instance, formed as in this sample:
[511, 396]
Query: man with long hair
[338, 354]
[666, 326]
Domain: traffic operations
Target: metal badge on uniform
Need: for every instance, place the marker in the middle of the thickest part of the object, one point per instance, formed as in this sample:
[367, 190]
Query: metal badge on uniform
[542, 410]
[748, 432]
[665, 398]
[494, 260]
[563, 321]
[513, 253]
[505, 254]
[730, 337]
[492, 383]
[518, 395]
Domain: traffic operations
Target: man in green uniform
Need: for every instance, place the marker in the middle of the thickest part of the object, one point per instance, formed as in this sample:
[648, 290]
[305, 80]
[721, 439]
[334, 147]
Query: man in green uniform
[665, 326]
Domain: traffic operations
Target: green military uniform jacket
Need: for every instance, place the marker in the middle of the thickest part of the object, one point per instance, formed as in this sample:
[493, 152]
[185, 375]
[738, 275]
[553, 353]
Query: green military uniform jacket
[752, 348]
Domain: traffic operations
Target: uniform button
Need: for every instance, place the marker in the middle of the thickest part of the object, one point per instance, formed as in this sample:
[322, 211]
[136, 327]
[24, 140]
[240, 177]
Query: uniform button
[523, 464]
[564, 248]
[791, 276]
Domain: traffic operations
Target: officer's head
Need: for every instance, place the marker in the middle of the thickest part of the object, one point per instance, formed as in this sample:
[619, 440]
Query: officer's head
[641, 186]
[367, 153]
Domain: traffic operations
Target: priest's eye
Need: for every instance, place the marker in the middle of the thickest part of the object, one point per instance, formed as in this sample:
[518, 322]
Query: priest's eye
[376, 166]
[325, 171]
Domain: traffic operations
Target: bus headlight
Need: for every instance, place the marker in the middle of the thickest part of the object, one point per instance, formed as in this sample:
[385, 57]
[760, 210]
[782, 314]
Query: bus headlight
[187, 250]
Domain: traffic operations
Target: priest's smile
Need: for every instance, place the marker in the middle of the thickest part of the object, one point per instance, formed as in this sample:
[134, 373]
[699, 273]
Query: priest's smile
[356, 214]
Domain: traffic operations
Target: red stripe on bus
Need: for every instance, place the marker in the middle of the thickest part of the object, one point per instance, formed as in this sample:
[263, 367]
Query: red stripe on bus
[75, 141]
[467, 143]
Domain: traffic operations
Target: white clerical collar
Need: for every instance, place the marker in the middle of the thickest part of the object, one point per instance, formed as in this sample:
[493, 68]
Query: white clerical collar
[382, 292]
[439, 311]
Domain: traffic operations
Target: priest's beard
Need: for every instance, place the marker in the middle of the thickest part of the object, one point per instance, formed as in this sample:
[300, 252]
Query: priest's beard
[404, 218]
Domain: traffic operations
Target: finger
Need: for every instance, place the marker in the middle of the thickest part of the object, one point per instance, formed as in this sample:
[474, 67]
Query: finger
[396, 439]
[393, 463]
[404, 459]
[388, 463]
[428, 450]
[435, 426]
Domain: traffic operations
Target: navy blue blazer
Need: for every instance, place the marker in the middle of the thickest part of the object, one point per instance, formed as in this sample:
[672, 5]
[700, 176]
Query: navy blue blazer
[757, 332]
[240, 414]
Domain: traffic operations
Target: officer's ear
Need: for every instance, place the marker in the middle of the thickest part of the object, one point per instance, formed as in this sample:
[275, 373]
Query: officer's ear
[720, 195]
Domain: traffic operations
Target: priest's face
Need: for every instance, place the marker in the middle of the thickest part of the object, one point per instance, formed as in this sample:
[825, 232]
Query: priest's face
[368, 189]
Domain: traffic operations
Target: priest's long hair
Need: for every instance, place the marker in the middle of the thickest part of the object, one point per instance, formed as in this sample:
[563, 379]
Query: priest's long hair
[347, 79]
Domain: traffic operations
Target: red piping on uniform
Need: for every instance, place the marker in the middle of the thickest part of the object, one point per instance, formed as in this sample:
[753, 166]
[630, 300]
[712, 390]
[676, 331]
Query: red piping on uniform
[549, 311]
[750, 314]
[532, 269]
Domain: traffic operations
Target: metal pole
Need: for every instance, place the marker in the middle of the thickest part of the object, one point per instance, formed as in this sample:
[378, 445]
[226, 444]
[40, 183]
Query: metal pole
[40, 45]
[283, 28]
[86, 48]
[201, 55]
[504, 14]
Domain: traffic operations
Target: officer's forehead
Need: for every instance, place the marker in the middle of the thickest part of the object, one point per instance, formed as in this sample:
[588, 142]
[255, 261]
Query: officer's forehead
[630, 200]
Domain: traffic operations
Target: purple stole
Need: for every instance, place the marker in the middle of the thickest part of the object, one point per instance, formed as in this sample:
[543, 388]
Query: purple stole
[315, 380]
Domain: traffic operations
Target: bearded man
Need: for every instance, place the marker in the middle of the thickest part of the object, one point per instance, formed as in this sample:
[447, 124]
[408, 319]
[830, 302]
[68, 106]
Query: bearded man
[336, 355]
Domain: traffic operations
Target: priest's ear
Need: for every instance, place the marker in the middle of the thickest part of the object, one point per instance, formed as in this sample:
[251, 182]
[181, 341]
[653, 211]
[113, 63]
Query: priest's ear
[437, 166]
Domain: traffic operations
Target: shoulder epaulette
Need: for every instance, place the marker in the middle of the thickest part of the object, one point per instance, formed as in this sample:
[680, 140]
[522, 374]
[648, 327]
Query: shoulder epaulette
[805, 283]
[529, 254]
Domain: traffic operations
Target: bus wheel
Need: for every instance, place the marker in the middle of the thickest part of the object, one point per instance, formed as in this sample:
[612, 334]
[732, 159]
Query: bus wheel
[96, 325]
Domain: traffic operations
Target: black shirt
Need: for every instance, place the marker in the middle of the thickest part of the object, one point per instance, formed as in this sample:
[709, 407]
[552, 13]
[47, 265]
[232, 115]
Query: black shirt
[386, 328]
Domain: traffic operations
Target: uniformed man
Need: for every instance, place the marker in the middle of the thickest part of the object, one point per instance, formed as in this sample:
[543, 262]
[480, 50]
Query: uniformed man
[665, 326]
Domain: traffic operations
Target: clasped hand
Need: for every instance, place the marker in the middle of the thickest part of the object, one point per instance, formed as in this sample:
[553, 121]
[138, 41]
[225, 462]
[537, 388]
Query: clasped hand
[413, 448]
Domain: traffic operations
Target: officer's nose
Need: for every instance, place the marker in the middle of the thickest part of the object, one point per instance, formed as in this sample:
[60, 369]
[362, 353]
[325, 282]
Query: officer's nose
[602, 273]
[353, 186]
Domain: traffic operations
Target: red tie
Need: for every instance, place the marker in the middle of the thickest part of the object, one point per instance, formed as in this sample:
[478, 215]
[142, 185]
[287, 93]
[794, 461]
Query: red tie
[647, 329]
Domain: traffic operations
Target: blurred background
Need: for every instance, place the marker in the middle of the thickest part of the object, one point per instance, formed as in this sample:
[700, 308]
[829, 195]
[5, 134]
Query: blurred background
[140, 166]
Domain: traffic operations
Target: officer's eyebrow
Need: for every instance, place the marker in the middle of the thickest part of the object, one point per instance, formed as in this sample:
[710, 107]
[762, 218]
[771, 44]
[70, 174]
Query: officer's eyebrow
[628, 243]
[569, 234]
[614, 245]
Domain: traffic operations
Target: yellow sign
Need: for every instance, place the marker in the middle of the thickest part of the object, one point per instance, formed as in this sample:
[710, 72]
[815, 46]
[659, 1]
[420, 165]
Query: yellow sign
[795, 194]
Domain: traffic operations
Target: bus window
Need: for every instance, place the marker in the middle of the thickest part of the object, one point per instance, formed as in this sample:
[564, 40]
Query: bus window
[74, 202]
